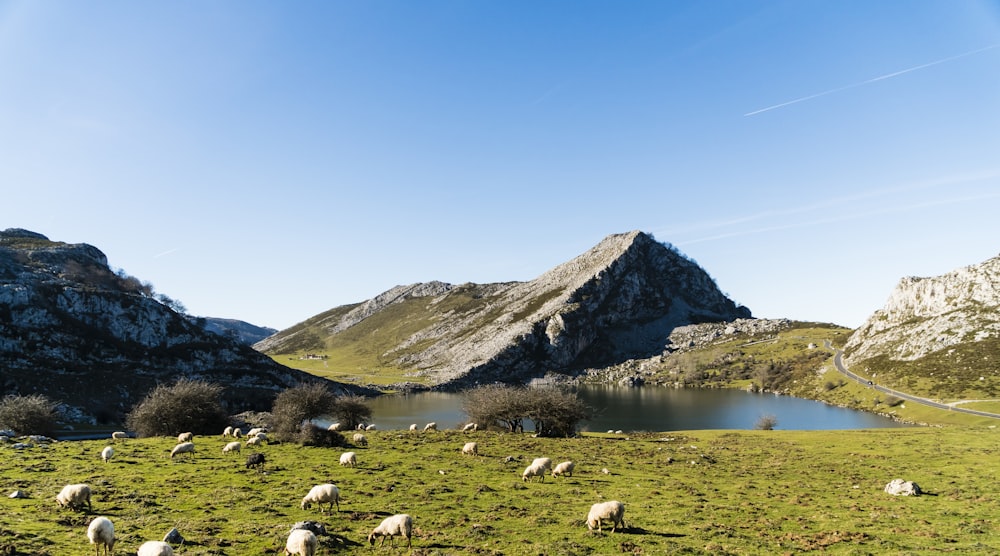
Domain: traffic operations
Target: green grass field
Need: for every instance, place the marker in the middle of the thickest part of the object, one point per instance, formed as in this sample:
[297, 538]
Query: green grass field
[695, 492]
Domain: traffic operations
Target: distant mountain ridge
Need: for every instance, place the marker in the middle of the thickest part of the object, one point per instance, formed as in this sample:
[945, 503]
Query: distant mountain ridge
[97, 340]
[239, 330]
[617, 301]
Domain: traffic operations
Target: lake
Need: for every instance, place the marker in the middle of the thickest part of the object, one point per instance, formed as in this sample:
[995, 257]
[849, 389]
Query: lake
[647, 408]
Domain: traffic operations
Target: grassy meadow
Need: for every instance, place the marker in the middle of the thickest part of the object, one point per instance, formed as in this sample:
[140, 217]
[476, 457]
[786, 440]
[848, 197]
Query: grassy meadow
[693, 492]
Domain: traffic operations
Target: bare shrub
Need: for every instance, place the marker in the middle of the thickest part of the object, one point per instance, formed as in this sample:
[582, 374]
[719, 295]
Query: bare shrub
[554, 412]
[33, 414]
[186, 405]
[766, 423]
[351, 410]
[295, 407]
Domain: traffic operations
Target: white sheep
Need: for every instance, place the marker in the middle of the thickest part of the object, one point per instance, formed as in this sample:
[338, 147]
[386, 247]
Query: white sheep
[360, 439]
[613, 511]
[470, 427]
[119, 435]
[155, 548]
[392, 526]
[361, 426]
[334, 427]
[533, 470]
[471, 448]
[253, 441]
[232, 447]
[301, 542]
[74, 496]
[430, 427]
[101, 532]
[107, 453]
[370, 427]
[182, 448]
[564, 468]
[227, 432]
[349, 458]
[322, 494]
[237, 432]
[413, 427]
[545, 463]
[185, 437]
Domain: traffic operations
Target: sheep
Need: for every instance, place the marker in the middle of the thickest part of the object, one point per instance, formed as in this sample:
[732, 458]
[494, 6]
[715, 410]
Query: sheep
[253, 441]
[119, 435]
[232, 447]
[107, 453]
[413, 427]
[430, 427]
[471, 448]
[255, 431]
[545, 463]
[182, 448]
[370, 427]
[399, 524]
[301, 542]
[533, 470]
[335, 427]
[101, 532]
[237, 433]
[256, 460]
[360, 439]
[322, 494]
[74, 496]
[564, 468]
[227, 432]
[155, 548]
[470, 427]
[185, 437]
[361, 426]
[349, 458]
[613, 511]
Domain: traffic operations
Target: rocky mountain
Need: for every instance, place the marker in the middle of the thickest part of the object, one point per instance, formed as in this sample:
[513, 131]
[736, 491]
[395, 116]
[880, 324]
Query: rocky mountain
[239, 330]
[98, 341]
[942, 330]
[618, 301]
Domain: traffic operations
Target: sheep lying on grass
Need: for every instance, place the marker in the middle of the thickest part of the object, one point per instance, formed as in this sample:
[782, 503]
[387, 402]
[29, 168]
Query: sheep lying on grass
[301, 542]
[232, 447]
[564, 468]
[613, 511]
[107, 453]
[119, 435]
[101, 532]
[471, 448]
[155, 548]
[182, 448]
[322, 494]
[74, 496]
[334, 427]
[349, 458]
[393, 526]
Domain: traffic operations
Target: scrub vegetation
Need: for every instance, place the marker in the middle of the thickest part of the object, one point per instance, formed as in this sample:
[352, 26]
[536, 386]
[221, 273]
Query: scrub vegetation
[696, 492]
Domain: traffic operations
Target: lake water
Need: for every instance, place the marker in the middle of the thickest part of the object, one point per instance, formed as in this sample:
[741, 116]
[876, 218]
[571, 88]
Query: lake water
[647, 408]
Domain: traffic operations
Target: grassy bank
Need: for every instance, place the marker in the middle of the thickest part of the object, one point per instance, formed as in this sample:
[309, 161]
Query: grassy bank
[720, 492]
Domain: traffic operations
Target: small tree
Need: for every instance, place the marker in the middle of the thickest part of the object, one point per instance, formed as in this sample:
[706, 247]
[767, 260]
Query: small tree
[352, 410]
[185, 406]
[766, 423]
[34, 414]
[298, 405]
[553, 411]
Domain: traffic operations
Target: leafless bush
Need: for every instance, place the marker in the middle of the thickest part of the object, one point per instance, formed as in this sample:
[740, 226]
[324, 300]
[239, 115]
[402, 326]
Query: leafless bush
[34, 414]
[186, 405]
[766, 423]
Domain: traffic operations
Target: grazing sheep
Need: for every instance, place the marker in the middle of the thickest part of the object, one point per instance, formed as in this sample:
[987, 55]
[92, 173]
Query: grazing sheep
[360, 439]
[155, 548]
[545, 463]
[334, 427]
[533, 470]
[392, 526]
[564, 468]
[256, 460]
[471, 448]
[185, 437]
[470, 427]
[107, 453]
[413, 427]
[182, 448]
[253, 441]
[119, 435]
[74, 496]
[322, 494]
[349, 458]
[255, 431]
[301, 542]
[227, 432]
[361, 426]
[430, 427]
[232, 447]
[237, 433]
[101, 532]
[370, 427]
[613, 511]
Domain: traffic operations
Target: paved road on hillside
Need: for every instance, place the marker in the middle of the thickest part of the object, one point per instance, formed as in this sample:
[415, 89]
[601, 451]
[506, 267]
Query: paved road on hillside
[838, 361]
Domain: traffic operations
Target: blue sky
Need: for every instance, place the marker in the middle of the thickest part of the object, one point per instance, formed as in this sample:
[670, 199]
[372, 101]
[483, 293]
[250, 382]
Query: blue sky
[267, 161]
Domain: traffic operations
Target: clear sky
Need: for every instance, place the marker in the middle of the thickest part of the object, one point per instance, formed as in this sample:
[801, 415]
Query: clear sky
[267, 161]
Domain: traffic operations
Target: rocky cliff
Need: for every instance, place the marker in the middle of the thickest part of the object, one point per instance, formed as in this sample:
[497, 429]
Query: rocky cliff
[619, 300]
[98, 341]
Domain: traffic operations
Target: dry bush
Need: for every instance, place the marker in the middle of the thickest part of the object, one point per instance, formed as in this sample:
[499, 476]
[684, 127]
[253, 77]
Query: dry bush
[33, 414]
[187, 405]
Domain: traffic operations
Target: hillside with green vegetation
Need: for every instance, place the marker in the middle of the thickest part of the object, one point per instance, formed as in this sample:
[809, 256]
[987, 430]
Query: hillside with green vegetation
[695, 492]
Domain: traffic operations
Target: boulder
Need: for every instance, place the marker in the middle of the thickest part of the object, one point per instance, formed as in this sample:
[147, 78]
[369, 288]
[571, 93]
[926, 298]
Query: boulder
[899, 487]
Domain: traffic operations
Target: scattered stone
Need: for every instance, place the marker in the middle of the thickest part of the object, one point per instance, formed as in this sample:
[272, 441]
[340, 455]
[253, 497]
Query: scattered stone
[316, 527]
[899, 487]
[173, 537]
[18, 494]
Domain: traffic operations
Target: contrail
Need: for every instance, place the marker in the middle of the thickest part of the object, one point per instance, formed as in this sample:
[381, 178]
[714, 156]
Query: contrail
[872, 80]
[165, 253]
